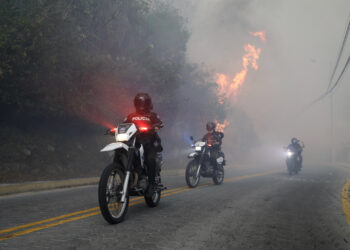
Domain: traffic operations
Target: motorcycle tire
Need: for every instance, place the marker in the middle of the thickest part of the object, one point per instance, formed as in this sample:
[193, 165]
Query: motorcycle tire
[153, 201]
[218, 177]
[289, 167]
[106, 188]
[191, 169]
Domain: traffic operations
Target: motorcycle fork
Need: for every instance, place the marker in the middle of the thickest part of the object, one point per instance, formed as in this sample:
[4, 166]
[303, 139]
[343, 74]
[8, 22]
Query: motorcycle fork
[199, 166]
[131, 153]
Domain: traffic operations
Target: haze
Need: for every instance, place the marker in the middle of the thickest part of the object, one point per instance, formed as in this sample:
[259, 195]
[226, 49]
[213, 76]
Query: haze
[303, 39]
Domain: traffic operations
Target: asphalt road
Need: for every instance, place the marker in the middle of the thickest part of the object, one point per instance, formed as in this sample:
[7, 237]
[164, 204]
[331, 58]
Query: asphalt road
[253, 209]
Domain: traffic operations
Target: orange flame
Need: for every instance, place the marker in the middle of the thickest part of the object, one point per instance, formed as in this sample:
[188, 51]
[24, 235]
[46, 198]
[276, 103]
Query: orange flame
[260, 34]
[221, 126]
[228, 88]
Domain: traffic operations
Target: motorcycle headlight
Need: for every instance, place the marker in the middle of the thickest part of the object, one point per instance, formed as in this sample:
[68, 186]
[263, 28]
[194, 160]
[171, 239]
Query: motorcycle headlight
[122, 137]
[198, 148]
[289, 153]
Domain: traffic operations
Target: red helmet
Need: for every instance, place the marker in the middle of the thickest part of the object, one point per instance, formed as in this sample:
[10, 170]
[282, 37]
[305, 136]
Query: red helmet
[143, 102]
[211, 126]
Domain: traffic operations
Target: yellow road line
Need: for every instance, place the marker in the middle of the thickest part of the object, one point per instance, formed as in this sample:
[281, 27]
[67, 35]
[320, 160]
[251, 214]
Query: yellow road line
[249, 176]
[31, 230]
[345, 201]
[345, 196]
[8, 230]
[45, 221]
[133, 202]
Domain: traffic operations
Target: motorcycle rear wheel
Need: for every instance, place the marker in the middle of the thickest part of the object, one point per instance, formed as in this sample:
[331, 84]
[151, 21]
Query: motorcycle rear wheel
[153, 201]
[192, 179]
[109, 194]
[218, 177]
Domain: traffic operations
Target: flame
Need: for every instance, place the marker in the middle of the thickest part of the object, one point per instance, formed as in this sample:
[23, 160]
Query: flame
[221, 126]
[227, 88]
[260, 34]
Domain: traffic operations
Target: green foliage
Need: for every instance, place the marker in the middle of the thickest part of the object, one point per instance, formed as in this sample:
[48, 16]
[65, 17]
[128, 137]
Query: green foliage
[55, 55]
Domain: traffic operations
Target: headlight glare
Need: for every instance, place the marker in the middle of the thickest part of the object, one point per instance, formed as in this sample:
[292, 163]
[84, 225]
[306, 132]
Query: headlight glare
[122, 137]
[289, 153]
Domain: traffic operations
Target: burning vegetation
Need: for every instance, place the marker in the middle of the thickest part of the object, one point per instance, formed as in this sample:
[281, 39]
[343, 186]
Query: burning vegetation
[229, 87]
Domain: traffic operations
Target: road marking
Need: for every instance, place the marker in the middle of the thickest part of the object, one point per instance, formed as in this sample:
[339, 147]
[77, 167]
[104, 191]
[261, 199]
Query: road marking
[138, 201]
[8, 230]
[345, 201]
[95, 210]
[345, 195]
[248, 176]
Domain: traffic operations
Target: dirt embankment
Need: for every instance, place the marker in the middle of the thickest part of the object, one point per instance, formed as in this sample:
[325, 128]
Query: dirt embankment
[31, 155]
[61, 151]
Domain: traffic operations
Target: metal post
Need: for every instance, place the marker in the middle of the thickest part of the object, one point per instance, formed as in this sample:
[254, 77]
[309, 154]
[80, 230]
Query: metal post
[332, 129]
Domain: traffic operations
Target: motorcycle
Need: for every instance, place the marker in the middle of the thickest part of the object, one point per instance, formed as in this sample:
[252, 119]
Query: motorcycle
[127, 175]
[201, 164]
[293, 161]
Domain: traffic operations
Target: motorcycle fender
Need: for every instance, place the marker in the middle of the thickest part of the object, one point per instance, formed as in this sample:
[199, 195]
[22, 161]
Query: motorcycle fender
[220, 160]
[192, 155]
[114, 146]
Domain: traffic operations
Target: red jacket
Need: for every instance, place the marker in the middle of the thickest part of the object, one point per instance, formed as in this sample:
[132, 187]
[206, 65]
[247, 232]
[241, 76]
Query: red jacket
[214, 139]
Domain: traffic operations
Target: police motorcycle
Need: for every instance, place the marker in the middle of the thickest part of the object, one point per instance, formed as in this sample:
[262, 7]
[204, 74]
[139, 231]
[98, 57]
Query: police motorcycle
[293, 161]
[127, 175]
[201, 164]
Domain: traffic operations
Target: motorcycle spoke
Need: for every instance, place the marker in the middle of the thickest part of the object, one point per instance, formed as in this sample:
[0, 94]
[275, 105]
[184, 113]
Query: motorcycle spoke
[113, 194]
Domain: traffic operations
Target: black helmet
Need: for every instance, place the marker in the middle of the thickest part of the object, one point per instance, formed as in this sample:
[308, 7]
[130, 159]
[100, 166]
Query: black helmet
[143, 102]
[294, 140]
[211, 126]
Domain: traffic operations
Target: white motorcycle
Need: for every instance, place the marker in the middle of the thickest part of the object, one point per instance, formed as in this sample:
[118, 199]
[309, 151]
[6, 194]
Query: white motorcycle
[127, 175]
[202, 164]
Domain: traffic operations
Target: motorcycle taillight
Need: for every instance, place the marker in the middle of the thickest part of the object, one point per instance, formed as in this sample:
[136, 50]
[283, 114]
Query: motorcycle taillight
[143, 129]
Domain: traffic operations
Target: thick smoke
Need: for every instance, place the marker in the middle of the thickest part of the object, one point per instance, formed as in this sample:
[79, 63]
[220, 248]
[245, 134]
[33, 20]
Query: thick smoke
[303, 39]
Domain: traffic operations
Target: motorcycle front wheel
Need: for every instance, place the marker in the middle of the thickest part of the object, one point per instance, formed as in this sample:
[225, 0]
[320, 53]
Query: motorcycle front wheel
[218, 177]
[192, 179]
[109, 194]
[289, 167]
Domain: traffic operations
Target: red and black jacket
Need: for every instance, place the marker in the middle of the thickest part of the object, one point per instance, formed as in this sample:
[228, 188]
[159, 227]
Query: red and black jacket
[214, 139]
[148, 120]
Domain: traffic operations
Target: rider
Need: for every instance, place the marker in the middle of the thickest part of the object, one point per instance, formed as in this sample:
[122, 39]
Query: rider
[214, 141]
[150, 140]
[297, 148]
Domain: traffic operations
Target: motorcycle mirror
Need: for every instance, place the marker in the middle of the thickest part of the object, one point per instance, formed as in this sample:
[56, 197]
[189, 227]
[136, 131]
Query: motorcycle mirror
[191, 138]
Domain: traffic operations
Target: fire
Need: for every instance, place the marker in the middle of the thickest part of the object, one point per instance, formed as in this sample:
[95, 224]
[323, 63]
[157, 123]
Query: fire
[260, 34]
[221, 126]
[228, 88]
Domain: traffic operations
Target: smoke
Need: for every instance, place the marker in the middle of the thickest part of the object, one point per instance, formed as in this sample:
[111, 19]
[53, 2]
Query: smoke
[302, 41]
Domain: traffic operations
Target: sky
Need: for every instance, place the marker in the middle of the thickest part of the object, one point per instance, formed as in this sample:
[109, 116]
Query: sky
[303, 40]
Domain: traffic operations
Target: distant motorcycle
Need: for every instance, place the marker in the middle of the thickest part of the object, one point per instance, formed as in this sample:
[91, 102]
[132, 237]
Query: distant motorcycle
[293, 161]
[202, 164]
[127, 175]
